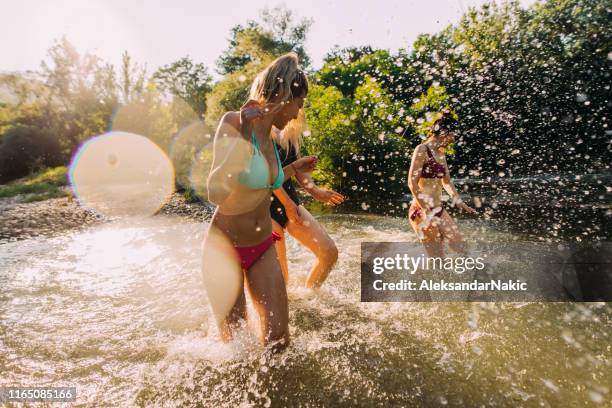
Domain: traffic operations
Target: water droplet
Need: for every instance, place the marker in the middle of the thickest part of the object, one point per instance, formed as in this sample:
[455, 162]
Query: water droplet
[595, 397]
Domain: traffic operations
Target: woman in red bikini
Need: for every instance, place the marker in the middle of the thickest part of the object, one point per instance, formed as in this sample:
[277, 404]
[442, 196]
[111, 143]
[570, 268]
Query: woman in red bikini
[427, 177]
[245, 169]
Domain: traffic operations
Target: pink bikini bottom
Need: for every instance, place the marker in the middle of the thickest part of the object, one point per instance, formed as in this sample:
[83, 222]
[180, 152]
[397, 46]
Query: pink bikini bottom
[249, 254]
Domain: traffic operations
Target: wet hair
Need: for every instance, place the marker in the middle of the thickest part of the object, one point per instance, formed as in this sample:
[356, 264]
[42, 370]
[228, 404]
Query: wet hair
[283, 78]
[446, 122]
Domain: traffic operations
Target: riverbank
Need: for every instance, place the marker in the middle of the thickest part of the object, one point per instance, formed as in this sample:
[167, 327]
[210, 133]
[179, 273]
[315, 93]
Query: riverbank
[21, 219]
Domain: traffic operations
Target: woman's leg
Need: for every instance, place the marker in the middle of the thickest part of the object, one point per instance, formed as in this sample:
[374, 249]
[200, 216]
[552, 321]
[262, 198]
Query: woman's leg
[281, 250]
[224, 282]
[267, 288]
[431, 235]
[450, 230]
[312, 235]
[236, 316]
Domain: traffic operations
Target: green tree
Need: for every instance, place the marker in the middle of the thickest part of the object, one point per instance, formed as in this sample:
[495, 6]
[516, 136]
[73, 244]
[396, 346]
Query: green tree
[251, 49]
[149, 116]
[132, 79]
[275, 34]
[186, 80]
[82, 87]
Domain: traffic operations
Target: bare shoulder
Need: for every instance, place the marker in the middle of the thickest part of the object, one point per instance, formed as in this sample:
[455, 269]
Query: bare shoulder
[231, 118]
[420, 149]
[231, 123]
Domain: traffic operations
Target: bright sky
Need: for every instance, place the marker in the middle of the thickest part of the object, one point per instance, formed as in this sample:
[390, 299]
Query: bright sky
[160, 32]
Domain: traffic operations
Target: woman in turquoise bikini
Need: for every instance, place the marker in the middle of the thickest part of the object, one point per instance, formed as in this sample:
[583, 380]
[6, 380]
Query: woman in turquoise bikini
[246, 168]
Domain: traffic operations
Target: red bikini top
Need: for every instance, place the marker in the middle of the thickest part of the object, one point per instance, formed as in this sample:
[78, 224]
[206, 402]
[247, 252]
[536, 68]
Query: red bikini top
[431, 168]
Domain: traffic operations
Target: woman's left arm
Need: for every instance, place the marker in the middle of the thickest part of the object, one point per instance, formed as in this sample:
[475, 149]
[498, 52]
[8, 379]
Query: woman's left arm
[448, 185]
[326, 196]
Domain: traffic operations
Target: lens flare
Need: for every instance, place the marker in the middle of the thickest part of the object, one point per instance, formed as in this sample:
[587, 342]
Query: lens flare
[200, 170]
[221, 272]
[121, 174]
[191, 155]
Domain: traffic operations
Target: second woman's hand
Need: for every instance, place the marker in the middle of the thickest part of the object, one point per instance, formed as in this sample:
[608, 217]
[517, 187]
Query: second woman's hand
[250, 111]
[464, 207]
[327, 196]
[305, 164]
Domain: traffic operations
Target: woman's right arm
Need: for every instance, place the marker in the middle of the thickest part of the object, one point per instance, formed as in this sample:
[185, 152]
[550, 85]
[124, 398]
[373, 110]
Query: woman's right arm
[227, 161]
[414, 174]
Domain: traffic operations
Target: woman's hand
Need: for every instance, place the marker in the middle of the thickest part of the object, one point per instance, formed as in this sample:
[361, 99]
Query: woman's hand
[293, 213]
[327, 196]
[464, 207]
[305, 164]
[249, 112]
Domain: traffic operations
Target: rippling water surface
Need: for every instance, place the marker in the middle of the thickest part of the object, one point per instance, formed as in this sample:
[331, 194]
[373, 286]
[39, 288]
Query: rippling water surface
[119, 311]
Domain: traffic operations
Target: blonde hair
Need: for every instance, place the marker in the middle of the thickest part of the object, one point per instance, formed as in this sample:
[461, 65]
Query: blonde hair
[291, 135]
[283, 79]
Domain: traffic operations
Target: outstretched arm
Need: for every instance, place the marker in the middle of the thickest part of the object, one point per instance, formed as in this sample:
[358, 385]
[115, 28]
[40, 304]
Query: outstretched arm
[326, 196]
[289, 172]
[448, 185]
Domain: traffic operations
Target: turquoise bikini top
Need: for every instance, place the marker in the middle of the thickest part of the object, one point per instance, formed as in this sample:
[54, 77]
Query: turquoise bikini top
[257, 174]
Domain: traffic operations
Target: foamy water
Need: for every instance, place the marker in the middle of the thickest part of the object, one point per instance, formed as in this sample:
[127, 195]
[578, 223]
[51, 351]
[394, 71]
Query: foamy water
[120, 312]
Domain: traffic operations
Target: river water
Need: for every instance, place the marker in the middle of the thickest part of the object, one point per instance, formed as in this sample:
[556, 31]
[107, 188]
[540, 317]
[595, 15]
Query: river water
[119, 311]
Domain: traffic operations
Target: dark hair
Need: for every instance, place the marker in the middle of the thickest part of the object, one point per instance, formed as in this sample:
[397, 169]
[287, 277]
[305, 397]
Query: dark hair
[444, 123]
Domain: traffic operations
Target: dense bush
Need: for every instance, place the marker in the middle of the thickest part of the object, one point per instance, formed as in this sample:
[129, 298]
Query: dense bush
[24, 149]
